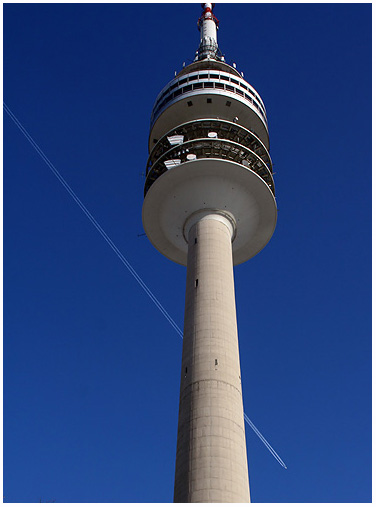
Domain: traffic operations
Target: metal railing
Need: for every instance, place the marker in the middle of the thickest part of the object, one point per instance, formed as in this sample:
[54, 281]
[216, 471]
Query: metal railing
[201, 128]
[206, 148]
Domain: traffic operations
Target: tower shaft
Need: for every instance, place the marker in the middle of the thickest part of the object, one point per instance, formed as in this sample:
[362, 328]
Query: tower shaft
[211, 459]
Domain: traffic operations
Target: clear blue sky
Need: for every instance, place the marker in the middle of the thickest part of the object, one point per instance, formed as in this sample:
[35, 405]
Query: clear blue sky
[91, 367]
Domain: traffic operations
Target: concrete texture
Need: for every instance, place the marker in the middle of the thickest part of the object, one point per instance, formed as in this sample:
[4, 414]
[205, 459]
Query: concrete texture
[211, 459]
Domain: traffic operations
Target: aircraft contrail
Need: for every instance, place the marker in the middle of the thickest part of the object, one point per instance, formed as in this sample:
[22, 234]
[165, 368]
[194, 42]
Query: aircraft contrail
[264, 441]
[121, 257]
[94, 222]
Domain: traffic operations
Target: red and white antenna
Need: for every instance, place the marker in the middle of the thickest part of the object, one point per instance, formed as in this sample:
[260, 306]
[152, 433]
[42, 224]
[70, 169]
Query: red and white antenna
[208, 26]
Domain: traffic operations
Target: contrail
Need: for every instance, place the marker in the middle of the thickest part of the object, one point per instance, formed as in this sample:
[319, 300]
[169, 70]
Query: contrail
[122, 258]
[94, 222]
[264, 441]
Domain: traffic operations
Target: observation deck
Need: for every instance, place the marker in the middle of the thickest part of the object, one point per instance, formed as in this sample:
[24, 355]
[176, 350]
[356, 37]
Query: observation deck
[209, 138]
[209, 92]
[209, 151]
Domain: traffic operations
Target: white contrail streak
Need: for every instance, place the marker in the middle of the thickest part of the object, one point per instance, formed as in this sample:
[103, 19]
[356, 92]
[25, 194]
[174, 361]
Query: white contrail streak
[94, 222]
[121, 257]
[264, 441]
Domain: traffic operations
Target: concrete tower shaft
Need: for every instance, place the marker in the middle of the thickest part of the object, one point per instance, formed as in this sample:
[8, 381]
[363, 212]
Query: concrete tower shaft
[211, 460]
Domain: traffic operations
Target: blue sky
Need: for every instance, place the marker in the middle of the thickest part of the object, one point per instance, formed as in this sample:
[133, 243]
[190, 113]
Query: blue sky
[91, 367]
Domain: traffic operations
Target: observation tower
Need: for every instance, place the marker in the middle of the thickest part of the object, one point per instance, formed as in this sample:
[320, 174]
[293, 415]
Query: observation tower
[209, 205]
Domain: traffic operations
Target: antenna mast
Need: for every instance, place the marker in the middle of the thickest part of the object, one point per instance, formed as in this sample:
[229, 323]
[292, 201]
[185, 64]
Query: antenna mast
[208, 26]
